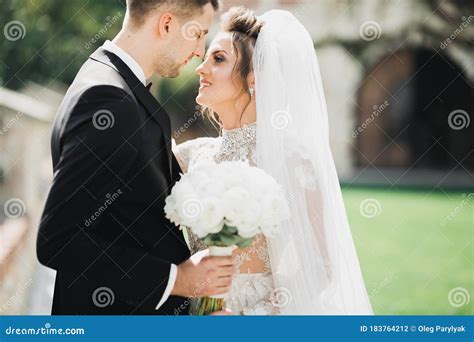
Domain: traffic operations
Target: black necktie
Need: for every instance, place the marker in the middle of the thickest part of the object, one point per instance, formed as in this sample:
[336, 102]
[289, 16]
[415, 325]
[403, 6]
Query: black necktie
[148, 86]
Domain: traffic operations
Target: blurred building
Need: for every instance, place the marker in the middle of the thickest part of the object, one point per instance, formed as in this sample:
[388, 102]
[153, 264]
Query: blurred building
[25, 176]
[398, 81]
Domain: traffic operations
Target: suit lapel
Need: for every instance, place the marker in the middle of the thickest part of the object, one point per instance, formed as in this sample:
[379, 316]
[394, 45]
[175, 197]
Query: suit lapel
[142, 94]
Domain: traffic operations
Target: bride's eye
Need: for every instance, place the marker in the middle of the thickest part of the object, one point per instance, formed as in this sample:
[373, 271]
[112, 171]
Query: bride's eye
[218, 59]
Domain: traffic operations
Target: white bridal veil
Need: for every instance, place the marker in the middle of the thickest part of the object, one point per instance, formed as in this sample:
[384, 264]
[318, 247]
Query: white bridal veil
[314, 262]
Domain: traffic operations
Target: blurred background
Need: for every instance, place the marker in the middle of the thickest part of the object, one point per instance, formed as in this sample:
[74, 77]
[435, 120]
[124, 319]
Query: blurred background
[398, 77]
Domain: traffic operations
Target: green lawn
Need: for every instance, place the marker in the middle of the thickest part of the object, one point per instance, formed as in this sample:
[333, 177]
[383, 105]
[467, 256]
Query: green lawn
[415, 250]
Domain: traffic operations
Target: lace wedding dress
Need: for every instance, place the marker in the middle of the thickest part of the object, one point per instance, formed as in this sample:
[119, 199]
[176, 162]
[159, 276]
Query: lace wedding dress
[252, 289]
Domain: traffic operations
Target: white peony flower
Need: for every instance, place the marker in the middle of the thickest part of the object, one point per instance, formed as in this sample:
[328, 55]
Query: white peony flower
[232, 193]
[171, 210]
[208, 187]
[231, 201]
[212, 219]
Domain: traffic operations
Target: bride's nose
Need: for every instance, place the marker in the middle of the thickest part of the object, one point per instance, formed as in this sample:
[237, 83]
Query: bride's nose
[201, 69]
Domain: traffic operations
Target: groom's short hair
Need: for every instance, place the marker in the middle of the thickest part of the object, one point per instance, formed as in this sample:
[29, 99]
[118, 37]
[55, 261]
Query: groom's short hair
[139, 9]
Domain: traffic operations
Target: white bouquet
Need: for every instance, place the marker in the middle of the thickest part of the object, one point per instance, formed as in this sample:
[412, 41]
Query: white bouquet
[227, 204]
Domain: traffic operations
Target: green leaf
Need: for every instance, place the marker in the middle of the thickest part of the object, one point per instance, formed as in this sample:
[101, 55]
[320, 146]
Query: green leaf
[229, 240]
[229, 230]
[244, 243]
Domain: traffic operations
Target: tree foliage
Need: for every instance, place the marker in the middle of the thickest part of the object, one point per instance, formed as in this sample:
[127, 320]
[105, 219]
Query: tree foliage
[52, 38]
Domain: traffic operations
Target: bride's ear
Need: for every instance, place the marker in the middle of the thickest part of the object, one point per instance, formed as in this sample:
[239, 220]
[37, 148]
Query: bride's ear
[251, 79]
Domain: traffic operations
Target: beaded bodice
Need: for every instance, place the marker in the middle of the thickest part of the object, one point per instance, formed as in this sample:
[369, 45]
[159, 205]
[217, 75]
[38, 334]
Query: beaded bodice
[238, 144]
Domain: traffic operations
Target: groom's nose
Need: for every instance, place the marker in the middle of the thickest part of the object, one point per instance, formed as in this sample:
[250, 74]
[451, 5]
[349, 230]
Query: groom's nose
[200, 49]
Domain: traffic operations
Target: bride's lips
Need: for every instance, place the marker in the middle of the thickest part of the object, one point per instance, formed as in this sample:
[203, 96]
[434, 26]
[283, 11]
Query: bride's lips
[204, 84]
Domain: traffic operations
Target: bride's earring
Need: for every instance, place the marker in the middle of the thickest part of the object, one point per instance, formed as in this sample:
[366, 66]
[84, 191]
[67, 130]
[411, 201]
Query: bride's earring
[251, 91]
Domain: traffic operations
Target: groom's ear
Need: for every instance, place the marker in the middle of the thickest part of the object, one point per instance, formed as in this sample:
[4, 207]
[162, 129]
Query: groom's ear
[164, 24]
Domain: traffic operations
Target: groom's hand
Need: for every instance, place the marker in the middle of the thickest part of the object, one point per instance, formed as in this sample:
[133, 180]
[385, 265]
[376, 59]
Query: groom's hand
[211, 275]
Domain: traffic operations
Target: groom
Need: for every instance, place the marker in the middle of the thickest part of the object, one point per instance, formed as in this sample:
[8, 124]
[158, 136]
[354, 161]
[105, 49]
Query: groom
[103, 227]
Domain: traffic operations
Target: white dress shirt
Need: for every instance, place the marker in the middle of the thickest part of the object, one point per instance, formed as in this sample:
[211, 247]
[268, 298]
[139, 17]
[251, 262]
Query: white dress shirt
[138, 71]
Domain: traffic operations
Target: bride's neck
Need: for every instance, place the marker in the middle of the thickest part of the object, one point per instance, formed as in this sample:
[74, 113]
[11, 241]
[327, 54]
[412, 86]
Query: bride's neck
[233, 117]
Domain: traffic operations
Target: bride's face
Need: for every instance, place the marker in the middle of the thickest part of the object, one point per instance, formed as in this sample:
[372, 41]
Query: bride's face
[219, 83]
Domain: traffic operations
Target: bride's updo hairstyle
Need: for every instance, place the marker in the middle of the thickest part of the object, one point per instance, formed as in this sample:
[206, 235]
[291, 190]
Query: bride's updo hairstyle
[244, 27]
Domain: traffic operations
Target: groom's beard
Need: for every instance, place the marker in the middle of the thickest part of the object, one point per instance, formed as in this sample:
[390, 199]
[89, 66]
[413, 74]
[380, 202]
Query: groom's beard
[166, 66]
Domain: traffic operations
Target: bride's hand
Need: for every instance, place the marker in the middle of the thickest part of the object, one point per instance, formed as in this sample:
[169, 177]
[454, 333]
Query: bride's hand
[225, 312]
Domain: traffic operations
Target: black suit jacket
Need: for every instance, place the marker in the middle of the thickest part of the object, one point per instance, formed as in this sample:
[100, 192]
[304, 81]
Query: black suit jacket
[103, 227]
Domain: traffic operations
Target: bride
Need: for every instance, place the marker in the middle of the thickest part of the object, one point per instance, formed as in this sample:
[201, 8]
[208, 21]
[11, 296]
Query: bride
[260, 82]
